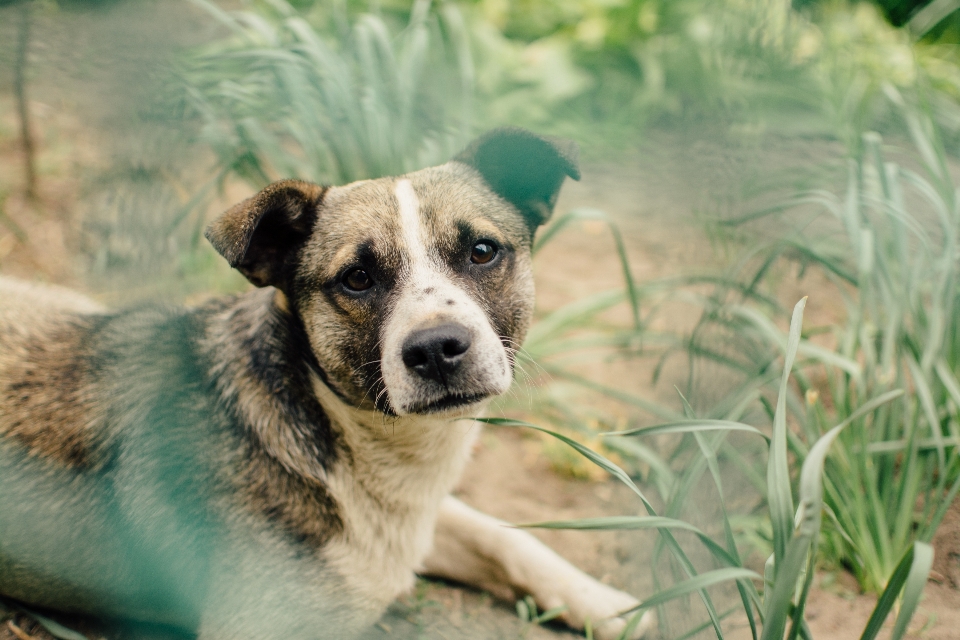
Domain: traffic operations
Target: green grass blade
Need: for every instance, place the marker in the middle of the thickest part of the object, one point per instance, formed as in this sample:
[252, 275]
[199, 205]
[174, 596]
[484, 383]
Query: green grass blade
[910, 576]
[811, 506]
[221, 16]
[787, 570]
[796, 617]
[689, 426]
[635, 523]
[621, 475]
[709, 451]
[808, 349]
[696, 583]
[586, 452]
[893, 446]
[614, 523]
[571, 316]
[941, 511]
[595, 214]
[929, 407]
[872, 405]
[550, 614]
[693, 632]
[627, 631]
[949, 381]
[811, 474]
[913, 589]
[779, 495]
[738, 459]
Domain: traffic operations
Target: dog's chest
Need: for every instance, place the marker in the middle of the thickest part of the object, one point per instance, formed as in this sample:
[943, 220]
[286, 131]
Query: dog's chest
[389, 491]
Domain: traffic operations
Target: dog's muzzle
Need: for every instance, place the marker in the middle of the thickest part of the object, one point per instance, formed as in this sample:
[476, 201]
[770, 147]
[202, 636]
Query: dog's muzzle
[439, 359]
[446, 366]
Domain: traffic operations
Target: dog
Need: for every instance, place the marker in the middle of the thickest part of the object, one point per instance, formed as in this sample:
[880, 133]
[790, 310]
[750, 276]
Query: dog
[279, 464]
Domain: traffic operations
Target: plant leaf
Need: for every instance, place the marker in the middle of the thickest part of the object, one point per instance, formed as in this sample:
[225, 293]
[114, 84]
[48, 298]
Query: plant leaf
[689, 426]
[696, 583]
[779, 495]
[910, 576]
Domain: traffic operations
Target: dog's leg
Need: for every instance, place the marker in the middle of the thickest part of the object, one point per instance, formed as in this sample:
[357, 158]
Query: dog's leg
[481, 551]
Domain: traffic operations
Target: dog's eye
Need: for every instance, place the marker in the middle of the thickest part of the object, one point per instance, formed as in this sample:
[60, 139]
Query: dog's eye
[483, 252]
[357, 280]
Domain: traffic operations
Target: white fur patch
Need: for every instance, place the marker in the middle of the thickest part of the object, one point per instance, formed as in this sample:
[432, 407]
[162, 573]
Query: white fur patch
[411, 226]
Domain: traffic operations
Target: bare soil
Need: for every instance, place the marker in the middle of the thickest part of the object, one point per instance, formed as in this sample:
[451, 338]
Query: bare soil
[87, 93]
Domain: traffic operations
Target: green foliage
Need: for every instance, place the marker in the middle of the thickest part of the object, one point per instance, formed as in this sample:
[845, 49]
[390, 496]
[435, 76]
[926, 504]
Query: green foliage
[889, 246]
[603, 70]
[527, 611]
[281, 97]
[778, 607]
[337, 91]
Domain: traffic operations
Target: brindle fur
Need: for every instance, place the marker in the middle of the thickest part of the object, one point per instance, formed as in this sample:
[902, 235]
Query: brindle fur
[239, 469]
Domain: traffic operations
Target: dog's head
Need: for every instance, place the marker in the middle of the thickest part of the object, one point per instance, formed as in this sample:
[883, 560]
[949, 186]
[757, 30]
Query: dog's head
[413, 291]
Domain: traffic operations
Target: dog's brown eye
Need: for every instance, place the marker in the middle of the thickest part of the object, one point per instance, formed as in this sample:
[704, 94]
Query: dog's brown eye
[358, 280]
[483, 252]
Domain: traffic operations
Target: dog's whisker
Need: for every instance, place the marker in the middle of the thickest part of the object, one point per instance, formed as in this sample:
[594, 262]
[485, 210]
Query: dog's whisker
[363, 399]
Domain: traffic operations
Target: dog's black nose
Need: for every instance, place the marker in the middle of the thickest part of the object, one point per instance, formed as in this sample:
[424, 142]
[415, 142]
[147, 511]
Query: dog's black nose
[435, 353]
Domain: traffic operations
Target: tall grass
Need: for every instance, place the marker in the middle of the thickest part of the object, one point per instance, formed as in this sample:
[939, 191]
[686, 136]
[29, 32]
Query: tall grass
[359, 95]
[881, 465]
[889, 245]
[283, 98]
[774, 604]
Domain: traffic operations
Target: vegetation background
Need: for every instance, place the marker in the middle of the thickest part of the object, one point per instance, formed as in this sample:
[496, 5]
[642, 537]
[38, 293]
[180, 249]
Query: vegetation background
[739, 155]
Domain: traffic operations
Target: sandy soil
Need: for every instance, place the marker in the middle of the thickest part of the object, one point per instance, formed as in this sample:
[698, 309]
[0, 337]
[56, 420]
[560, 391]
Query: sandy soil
[86, 117]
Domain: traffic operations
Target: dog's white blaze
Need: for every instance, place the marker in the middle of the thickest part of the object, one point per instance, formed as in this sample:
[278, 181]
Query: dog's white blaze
[430, 296]
[411, 226]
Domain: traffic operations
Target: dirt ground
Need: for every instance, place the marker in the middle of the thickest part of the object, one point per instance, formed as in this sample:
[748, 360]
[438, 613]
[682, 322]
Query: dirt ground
[90, 75]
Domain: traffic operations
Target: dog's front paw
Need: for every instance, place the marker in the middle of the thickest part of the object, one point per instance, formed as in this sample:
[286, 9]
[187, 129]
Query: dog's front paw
[613, 628]
[587, 599]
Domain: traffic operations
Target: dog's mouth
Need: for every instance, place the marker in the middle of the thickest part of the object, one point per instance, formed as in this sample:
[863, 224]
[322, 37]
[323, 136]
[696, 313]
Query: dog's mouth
[448, 402]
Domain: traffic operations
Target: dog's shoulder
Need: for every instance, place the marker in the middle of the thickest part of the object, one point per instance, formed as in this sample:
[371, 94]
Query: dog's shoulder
[73, 373]
[46, 370]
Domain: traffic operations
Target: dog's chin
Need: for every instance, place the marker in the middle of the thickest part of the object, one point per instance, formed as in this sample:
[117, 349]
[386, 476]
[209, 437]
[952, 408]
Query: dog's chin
[452, 405]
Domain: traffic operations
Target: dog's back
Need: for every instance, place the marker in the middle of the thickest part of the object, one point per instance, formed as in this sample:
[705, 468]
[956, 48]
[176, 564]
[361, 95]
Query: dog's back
[47, 429]
[156, 525]
[27, 301]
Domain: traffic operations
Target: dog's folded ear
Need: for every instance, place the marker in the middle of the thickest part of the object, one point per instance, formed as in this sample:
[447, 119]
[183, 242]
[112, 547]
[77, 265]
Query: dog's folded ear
[523, 168]
[259, 235]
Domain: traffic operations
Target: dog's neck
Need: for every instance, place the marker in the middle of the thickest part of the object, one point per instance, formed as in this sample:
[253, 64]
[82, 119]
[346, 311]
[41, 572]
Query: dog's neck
[265, 379]
[400, 455]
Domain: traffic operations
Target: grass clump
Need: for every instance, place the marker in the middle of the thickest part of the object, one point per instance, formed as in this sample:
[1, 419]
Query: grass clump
[888, 248]
[281, 97]
[774, 603]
